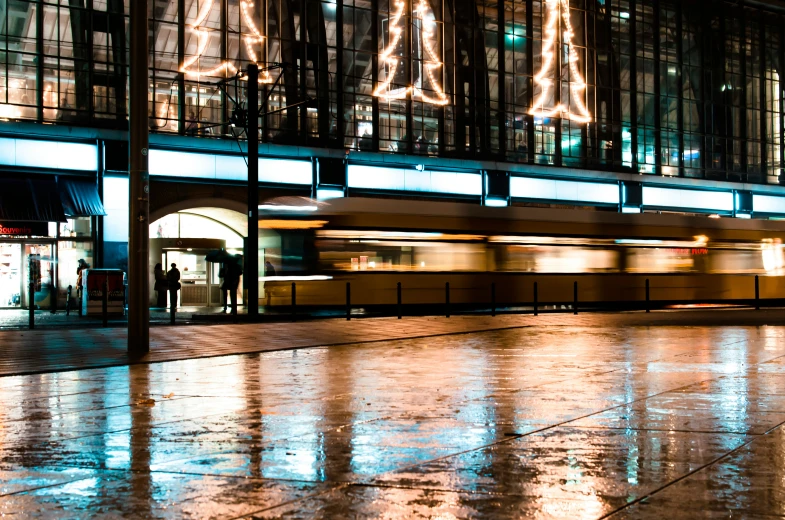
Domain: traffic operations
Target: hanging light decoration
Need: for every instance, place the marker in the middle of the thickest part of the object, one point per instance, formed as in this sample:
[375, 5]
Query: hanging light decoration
[559, 9]
[203, 39]
[430, 63]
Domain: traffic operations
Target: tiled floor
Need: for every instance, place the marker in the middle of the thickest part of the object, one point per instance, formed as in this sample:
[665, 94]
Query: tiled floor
[575, 417]
[48, 350]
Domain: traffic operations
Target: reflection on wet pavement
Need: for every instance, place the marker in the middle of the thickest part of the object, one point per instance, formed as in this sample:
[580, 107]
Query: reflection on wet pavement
[559, 422]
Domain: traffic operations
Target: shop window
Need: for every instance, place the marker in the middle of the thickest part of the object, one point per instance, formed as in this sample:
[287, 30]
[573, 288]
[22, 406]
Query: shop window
[76, 227]
[69, 252]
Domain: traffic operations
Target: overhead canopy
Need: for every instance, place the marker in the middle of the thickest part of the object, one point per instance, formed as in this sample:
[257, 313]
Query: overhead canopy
[80, 198]
[36, 200]
[48, 200]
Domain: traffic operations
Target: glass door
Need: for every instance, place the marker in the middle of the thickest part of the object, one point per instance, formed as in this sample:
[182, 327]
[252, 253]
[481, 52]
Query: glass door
[38, 262]
[10, 275]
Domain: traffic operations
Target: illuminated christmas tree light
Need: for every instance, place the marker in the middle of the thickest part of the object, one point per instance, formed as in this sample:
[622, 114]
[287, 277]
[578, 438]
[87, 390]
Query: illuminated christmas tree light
[559, 9]
[430, 63]
[251, 40]
[203, 39]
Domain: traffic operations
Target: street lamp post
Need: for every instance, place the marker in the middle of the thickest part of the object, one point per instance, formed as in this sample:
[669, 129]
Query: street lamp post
[139, 187]
[252, 244]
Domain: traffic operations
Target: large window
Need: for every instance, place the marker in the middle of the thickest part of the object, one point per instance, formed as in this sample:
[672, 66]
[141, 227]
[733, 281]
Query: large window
[665, 87]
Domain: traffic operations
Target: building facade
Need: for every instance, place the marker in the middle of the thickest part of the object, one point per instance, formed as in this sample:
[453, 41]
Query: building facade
[620, 105]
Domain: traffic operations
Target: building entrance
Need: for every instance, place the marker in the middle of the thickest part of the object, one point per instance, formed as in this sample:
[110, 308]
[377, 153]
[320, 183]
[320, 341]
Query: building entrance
[10, 275]
[16, 261]
[38, 262]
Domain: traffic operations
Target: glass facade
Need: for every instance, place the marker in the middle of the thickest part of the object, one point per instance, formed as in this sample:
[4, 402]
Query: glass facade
[672, 88]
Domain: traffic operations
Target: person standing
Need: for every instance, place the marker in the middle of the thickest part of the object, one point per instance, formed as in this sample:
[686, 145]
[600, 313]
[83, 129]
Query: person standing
[232, 272]
[81, 266]
[222, 278]
[173, 281]
[161, 286]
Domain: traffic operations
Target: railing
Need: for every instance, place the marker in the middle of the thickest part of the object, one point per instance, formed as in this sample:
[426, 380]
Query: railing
[492, 306]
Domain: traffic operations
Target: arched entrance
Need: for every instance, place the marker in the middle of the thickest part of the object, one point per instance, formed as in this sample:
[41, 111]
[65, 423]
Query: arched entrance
[183, 234]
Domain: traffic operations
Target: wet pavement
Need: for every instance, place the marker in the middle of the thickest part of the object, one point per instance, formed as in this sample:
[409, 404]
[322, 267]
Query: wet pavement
[571, 420]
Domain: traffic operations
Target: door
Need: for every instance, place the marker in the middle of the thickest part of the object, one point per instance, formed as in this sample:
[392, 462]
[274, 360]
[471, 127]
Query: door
[10, 275]
[38, 261]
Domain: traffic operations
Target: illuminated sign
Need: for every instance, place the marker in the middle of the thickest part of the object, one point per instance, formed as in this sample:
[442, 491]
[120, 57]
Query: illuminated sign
[559, 10]
[425, 26]
[27, 229]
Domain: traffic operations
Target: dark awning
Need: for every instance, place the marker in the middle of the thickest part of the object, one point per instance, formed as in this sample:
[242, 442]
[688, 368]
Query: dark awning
[36, 200]
[80, 198]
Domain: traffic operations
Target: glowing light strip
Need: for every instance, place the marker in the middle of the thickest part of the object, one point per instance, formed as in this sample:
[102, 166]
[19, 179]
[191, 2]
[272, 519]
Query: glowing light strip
[559, 9]
[383, 89]
[203, 38]
[257, 38]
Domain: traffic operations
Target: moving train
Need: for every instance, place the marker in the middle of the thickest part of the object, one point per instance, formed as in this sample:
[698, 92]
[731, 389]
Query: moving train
[497, 254]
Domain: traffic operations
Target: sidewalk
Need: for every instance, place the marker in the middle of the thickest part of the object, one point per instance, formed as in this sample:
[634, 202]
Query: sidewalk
[40, 351]
[19, 318]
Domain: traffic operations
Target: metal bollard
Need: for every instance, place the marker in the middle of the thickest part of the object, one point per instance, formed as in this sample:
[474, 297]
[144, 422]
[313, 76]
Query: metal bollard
[447, 298]
[535, 298]
[493, 299]
[348, 301]
[294, 301]
[68, 301]
[31, 305]
[575, 297]
[172, 306]
[105, 302]
[648, 307]
[757, 293]
[400, 315]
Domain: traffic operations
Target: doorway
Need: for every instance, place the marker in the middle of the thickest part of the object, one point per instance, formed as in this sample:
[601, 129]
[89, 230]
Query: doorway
[201, 286]
[38, 259]
[10, 275]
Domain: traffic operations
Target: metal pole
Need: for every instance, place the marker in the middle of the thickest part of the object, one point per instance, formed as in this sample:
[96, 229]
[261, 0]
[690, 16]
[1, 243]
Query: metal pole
[31, 305]
[648, 307]
[399, 301]
[535, 298]
[252, 254]
[172, 305]
[348, 301]
[493, 299]
[139, 187]
[575, 297]
[105, 302]
[447, 298]
[757, 293]
[294, 301]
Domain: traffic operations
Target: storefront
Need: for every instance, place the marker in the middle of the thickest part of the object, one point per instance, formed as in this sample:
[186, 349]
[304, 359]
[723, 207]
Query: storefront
[46, 227]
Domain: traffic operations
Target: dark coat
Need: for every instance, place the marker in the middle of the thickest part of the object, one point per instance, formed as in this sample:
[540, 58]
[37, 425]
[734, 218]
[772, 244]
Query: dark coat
[232, 273]
[173, 278]
[161, 283]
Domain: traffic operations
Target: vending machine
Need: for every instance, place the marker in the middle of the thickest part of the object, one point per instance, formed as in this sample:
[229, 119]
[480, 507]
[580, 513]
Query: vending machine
[95, 282]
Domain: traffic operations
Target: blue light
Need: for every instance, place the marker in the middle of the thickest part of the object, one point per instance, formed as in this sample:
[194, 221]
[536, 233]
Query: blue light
[426, 181]
[687, 199]
[328, 193]
[116, 206]
[551, 189]
[496, 203]
[59, 155]
[170, 163]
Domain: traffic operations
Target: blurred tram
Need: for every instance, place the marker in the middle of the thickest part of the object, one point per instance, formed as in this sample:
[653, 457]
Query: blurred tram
[377, 243]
